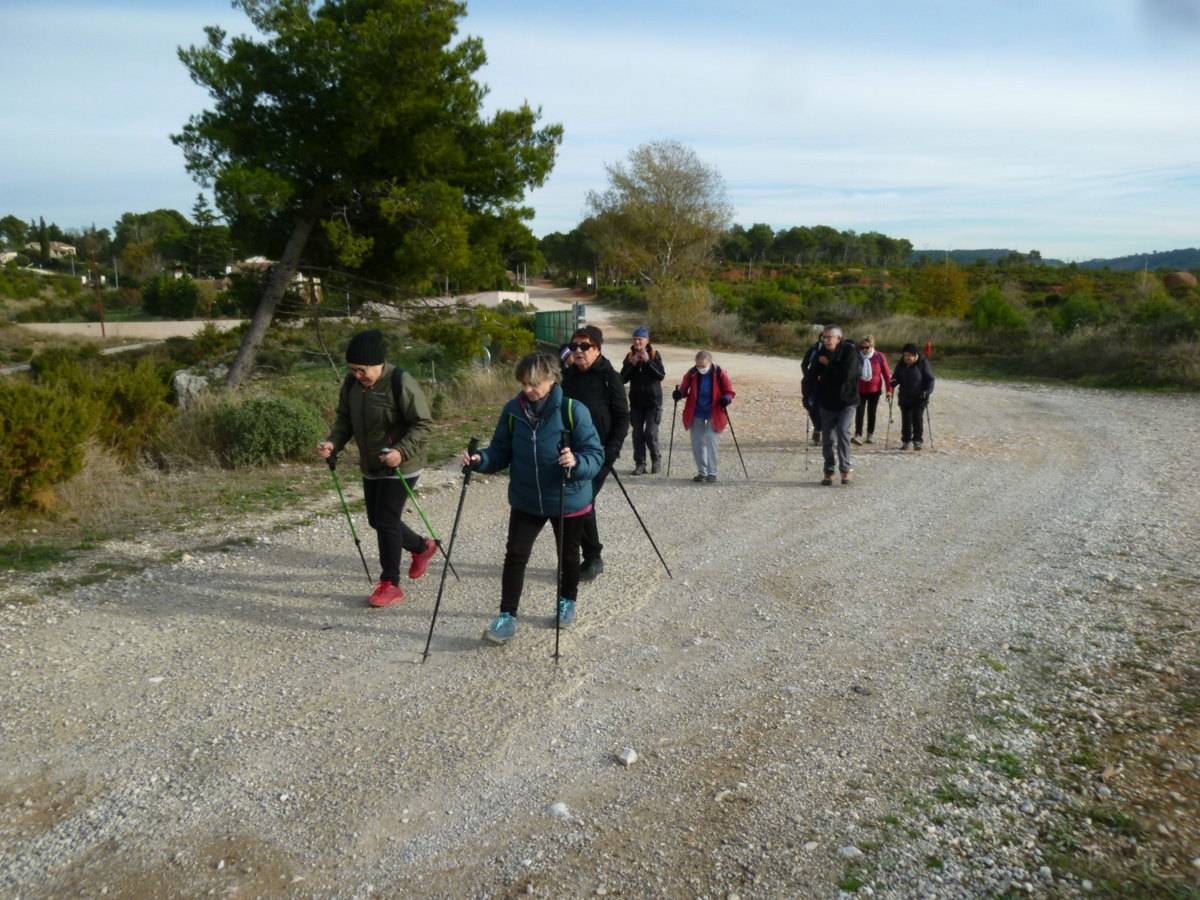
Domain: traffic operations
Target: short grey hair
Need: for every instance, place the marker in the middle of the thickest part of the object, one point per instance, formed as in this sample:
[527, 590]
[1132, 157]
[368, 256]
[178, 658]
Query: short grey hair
[538, 367]
[833, 329]
[703, 354]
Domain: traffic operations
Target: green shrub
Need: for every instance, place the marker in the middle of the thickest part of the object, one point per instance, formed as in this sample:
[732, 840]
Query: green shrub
[1078, 310]
[125, 406]
[42, 440]
[679, 312]
[173, 298]
[991, 311]
[134, 408]
[267, 429]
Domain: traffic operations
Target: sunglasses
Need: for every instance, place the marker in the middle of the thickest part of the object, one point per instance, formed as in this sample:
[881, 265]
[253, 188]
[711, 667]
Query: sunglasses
[582, 346]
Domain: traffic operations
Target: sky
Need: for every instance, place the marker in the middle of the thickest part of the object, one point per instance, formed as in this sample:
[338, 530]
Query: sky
[1070, 126]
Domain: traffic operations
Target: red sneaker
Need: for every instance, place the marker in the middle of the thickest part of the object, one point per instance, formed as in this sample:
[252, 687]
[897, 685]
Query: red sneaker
[386, 594]
[420, 561]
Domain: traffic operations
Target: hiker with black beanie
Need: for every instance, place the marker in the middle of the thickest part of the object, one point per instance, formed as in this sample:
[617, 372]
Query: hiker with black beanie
[383, 407]
[592, 380]
[914, 377]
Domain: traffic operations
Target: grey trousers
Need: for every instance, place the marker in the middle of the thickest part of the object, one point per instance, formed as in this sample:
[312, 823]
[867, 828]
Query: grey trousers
[644, 424]
[835, 426]
[704, 446]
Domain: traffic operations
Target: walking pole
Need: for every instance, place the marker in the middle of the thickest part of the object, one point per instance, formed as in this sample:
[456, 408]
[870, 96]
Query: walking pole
[420, 512]
[929, 419]
[472, 446]
[807, 422]
[640, 522]
[671, 445]
[563, 444]
[735, 443]
[888, 437]
[331, 461]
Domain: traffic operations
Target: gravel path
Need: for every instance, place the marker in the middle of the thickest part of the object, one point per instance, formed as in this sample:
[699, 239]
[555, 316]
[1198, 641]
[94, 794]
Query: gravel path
[238, 722]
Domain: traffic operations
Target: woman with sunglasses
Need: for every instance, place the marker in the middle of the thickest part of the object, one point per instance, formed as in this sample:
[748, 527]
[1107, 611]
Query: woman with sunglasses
[592, 380]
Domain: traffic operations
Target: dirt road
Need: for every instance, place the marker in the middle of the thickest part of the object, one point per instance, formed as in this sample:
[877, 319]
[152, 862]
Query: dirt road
[236, 722]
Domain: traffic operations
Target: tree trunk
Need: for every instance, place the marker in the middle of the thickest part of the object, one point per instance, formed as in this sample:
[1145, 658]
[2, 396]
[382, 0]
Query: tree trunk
[277, 283]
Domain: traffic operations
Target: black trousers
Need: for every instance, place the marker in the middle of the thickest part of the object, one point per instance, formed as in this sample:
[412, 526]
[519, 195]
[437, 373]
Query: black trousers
[385, 505]
[523, 529]
[912, 421]
[590, 540]
[867, 403]
[644, 423]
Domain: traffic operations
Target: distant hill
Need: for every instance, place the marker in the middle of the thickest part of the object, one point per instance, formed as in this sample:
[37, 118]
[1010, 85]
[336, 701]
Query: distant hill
[1175, 260]
[967, 257]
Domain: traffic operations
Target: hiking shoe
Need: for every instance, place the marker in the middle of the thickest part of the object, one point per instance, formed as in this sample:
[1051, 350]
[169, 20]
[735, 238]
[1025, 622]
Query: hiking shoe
[697, 478]
[816, 439]
[502, 629]
[828, 479]
[710, 478]
[420, 561]
[590, 569]
[870, 439]
[566, 612]
[639, 469]
[907, 446]
[846, 476]
[386, 594]
[856, 440]
[916, 445]
[654, 466]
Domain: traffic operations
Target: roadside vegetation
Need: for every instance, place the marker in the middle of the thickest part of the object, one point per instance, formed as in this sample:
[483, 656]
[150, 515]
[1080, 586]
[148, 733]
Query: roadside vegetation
[101, 448]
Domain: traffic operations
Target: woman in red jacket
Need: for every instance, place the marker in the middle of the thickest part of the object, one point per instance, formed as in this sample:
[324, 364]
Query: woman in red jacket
[708, 391]
[870, 389]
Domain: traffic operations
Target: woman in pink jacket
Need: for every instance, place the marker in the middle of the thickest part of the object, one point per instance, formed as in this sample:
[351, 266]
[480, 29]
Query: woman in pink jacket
[870, 389]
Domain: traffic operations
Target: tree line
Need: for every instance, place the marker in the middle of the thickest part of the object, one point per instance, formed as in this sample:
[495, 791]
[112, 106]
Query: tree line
[138, 247]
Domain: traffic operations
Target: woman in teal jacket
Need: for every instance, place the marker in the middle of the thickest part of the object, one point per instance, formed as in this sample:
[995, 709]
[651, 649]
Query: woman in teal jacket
[551, 449]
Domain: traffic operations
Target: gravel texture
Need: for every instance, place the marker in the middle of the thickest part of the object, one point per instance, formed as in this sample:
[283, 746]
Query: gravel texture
[842, 688]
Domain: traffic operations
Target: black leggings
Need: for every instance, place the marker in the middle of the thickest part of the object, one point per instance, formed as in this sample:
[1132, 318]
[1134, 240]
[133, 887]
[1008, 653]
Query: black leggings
[385, 505]
[523, 529]
[866, 403]
[589, 539]
[912, 422]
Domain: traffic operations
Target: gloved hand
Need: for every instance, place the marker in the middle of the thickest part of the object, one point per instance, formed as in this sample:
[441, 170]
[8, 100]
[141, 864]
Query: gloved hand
[676, 395]
[725, 400]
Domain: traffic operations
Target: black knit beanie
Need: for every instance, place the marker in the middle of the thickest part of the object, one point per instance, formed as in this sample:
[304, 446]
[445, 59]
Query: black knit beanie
[910, 348]
[366, 349]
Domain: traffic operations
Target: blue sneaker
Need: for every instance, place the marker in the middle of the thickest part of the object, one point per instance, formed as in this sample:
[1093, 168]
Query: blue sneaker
[503, 627]
[566, 612]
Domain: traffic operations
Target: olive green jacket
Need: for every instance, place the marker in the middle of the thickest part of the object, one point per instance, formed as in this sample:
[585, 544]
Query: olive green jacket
[376, 419]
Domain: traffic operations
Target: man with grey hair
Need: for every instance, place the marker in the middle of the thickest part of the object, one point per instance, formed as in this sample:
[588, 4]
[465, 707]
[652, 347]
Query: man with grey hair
[835, 373]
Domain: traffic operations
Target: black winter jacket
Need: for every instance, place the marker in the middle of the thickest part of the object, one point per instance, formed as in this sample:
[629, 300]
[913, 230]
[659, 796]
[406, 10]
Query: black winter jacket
[644, 379]
[915, 381]
[836, 382]
[601, 391]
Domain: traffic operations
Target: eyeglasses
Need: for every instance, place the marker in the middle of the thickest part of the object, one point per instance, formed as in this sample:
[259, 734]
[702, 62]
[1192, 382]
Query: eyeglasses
[583, 346]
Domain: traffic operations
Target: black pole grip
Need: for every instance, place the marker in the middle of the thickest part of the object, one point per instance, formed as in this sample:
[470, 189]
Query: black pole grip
[472, 446]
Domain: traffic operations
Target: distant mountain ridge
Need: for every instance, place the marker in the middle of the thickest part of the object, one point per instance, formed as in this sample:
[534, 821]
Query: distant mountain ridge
[1175, 260]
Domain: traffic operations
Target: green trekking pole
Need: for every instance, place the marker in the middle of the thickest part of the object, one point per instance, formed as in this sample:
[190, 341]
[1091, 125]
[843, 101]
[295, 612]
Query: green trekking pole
[331, 461]
[420, 512]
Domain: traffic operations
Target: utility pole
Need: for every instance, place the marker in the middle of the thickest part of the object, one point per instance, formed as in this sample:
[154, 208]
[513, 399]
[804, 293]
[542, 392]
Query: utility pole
[99, 294]
[116, 275]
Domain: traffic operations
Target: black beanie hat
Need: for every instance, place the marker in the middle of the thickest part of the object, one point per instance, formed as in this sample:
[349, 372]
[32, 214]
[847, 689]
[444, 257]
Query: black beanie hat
[910, 348]
[366, 349]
